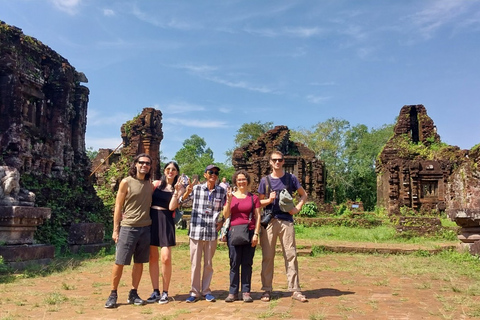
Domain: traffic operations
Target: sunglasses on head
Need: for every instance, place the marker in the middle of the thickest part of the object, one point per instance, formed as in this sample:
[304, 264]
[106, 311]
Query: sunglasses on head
[212, 172]
[143, 162]
[277, 160]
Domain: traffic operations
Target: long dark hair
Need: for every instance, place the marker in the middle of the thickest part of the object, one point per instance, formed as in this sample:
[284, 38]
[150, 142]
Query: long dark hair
[132, 172]
[163, 179]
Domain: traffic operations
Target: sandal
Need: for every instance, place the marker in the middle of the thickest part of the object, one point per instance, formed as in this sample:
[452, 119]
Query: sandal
[265, 296]
[297, 295]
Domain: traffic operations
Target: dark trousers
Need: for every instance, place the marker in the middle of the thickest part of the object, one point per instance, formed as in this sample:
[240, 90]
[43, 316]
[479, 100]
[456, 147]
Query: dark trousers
[241, 257]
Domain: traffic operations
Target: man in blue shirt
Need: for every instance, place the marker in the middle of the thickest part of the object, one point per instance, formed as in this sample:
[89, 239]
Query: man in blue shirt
[281, 225]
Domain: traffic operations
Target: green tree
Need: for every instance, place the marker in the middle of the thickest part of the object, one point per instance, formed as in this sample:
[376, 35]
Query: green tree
[251, 131]
[327, 140]
[349, 154]
[194, 156]
[246, 133]
[361, 150]
[91, 154]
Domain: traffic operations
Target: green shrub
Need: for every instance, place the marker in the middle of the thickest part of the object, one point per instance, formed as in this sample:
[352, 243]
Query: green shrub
[71, 200]
[309, 210]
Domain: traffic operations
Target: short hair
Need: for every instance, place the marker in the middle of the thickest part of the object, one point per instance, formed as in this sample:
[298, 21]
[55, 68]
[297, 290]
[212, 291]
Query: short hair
[235, 175]
[276, 152]
[132, 172]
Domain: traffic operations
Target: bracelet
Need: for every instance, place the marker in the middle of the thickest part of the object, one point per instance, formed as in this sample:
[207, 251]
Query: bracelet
[175, 195]
[255, 234]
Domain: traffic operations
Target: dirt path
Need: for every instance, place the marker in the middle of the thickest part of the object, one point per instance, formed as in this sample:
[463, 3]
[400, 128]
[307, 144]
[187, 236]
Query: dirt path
[339, 286]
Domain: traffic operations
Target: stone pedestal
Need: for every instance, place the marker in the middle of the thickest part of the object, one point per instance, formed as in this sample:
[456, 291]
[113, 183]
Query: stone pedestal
[469, 221]
[17, 227]
[18, 224]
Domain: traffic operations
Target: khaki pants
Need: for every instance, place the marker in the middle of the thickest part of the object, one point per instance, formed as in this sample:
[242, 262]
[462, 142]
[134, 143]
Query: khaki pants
[268, 239]
[201, 283]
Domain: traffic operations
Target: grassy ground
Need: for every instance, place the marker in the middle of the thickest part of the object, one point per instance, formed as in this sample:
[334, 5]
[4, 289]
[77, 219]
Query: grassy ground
[339, 286]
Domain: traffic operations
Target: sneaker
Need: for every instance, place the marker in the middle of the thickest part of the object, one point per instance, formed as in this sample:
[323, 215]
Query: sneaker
[154, 297]
[133, 298]
[191, 299]
[246, 297]
[209, 297]
[164, 298]
[111, 302]
[230, 298]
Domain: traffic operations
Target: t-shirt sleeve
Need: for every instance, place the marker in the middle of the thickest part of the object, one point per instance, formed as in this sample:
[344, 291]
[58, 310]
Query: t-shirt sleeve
[256, 201]
[295, 183]
[262, 186]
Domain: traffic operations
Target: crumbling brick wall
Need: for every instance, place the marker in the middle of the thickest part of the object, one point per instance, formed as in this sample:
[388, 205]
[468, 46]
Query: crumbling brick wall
[299, 160]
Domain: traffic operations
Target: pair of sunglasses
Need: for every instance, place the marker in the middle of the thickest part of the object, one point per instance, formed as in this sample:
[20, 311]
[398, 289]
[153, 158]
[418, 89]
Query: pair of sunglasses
[212, 172]
[144, 162]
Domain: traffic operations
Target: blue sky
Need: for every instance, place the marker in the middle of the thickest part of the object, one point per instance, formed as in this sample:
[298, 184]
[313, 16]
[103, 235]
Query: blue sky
[211, 66]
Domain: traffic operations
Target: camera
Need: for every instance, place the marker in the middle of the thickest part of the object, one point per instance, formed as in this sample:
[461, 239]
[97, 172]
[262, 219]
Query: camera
[266, 217]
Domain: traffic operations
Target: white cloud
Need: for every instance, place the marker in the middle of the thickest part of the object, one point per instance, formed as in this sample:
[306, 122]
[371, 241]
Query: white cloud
[438, 14]
[108, 12]
[240, 84]
[295, 32]
[262, 32]
[178, 108]
[196, 123]
[68, 6]
[102, 143]
[321, 84]
[317, 99]
[225, 110]
[170, 23]
[205, 71]
[95, 118]
[196, 68]
[303, 32]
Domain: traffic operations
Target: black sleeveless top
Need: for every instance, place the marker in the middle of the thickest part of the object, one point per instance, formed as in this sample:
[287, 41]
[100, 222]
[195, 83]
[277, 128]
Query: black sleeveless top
[161, 198]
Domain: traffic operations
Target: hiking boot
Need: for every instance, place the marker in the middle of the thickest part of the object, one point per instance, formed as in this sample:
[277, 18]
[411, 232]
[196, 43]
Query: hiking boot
[154, 297]
[111, 301]
[133, 298]
[164, 298]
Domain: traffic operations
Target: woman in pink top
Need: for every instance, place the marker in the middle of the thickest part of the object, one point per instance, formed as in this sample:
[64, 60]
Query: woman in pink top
[239, 209]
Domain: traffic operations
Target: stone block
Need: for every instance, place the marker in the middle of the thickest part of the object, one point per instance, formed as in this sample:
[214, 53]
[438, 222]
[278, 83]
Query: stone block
[88, 248]
[16, 253]
[86, 233]
[18, 223]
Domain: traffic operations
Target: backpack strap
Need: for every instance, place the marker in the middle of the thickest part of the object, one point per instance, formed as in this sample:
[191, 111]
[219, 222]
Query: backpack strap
[269, 185]
[289, 182]
[253, 208]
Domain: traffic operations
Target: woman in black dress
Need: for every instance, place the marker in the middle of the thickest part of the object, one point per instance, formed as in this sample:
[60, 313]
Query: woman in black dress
[165, 197]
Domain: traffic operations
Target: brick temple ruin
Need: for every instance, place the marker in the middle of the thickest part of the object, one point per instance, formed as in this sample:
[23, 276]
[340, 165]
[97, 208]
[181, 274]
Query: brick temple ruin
[43, 117]
[43, 106]
[142, 134]
[299, 160]
[417, 171]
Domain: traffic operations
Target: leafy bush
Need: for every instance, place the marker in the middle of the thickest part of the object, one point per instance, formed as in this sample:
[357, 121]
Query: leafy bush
[71, 199]
[309, 210]
[4, 268]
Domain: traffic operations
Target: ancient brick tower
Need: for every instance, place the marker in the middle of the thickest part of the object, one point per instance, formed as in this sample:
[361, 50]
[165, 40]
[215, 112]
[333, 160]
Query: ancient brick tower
[418, 171]
[299, 160]
[43, 107]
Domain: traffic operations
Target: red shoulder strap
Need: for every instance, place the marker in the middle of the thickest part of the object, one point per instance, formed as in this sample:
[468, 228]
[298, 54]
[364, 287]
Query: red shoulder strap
[155, 184]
